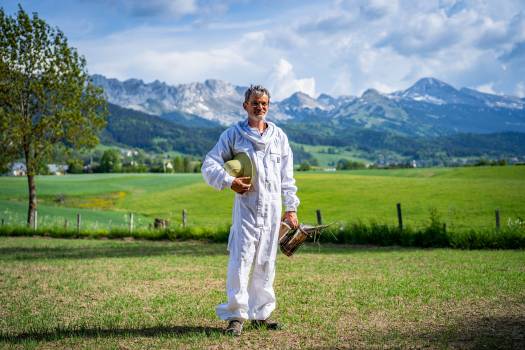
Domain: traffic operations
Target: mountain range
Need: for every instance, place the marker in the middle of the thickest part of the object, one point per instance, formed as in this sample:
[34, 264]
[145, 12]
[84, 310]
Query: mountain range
[411, 123]
[428, 108]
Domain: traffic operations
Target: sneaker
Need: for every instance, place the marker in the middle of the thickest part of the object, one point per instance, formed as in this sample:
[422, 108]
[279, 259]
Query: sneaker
[234, 328]
[268, 324]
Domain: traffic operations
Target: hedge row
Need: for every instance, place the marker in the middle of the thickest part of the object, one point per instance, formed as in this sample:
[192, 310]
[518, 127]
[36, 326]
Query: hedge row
[431, 236]
[217, 234]
[435, 235]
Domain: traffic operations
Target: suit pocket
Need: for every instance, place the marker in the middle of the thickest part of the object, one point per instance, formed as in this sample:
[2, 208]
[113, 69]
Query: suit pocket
[275, 157]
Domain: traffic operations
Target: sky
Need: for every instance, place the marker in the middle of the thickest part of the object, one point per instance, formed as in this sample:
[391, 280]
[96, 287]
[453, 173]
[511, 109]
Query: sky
[338, 47]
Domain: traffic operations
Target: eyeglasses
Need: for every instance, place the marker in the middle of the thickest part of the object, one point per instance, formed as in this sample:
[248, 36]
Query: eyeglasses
[262, 104]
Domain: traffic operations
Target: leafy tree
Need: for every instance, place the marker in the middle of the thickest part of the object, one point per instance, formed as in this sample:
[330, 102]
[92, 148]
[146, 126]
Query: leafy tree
[345, 164]
[157, 164]
[178, 164]
[304, 166]
[188, 167]
[111, 161]
[197, 167]
[46, 97]
[140, 157]
[313, 162]
[75, 166]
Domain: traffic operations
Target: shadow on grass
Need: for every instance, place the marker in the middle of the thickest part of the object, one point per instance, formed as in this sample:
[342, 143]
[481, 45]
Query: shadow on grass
[488, 332]
[144, 249]
[112, 250]
[119, 249]
[335, 248]
[175, 331]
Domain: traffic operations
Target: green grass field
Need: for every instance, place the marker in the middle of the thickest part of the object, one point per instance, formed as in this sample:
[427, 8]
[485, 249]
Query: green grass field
[465, 198]
[96, 294]
[326, 159]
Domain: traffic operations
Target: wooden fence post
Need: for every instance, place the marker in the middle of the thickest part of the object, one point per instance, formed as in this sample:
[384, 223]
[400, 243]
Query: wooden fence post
[65, 224]
[184, 217]
[130, 222]
[78, 222]
[319, 217]
[2, 222]
[497, 219]
[35, 221]
[399, 216]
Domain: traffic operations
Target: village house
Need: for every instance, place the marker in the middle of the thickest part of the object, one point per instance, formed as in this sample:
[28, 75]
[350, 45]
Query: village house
[57, 169]
[129, 152]
[168, 166]
[17, 169]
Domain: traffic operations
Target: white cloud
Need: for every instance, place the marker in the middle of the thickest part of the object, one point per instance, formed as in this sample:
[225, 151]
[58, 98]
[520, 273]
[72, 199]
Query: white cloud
[456, 41]
[170, 55]
[181, 7]
[375, 9]
[343, 48]
[520, 89]
[426, 33]
[283, 82]
[343, 82]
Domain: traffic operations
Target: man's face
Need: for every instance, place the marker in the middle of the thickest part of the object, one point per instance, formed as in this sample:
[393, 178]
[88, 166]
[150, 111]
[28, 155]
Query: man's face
[257, 106]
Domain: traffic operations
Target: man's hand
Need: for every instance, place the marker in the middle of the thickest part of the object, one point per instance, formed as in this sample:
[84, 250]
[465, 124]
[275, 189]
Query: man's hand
[291, 217]
[241, 185]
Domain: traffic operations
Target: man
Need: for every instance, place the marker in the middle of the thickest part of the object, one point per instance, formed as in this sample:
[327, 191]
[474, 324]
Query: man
[254, 234]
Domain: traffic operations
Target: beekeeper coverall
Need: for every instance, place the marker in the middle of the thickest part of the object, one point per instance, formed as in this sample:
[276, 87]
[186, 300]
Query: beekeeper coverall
[256, 215]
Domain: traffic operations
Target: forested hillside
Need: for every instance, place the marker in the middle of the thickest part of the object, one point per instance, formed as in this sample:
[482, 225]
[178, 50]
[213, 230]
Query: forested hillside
[131, 128]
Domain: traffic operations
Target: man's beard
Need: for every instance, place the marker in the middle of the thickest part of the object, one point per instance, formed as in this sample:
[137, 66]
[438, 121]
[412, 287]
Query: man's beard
[258, 118]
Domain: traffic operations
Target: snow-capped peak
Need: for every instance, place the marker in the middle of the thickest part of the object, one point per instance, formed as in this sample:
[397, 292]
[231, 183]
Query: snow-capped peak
[301, 100]
[434, 91]
[496, 101]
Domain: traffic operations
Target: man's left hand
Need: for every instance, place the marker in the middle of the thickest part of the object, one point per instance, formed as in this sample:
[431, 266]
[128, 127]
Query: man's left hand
[291, 217]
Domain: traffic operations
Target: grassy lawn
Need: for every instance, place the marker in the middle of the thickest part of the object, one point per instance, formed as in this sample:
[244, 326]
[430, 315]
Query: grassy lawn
[65, 294]
[465, 198]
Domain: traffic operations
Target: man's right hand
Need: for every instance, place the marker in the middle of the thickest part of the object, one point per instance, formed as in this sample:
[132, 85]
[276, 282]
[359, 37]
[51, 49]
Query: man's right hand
[241, 185]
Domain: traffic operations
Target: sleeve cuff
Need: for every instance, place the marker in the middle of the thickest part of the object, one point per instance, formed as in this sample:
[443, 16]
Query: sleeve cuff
[228, 180]
[291, 209]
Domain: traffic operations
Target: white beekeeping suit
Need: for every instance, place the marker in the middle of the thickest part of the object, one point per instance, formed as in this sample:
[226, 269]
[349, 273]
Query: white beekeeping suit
[256, 215]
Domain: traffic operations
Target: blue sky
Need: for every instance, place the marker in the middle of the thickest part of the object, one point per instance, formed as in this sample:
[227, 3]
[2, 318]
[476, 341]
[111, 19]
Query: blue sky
[336, 47]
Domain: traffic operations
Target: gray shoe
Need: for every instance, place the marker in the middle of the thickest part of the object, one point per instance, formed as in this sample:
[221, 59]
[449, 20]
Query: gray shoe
[234, 328]
[268, 324]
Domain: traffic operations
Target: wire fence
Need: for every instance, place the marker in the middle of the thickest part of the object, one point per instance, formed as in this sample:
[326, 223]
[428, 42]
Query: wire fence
[93, 220]
[80, 221]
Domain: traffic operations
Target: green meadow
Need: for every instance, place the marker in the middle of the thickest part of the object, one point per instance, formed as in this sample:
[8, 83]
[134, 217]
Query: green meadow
[464, 198]
[328, 156]
[114, 294]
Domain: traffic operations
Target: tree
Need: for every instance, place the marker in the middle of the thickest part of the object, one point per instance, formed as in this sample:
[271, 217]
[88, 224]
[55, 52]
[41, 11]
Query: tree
[111, 161]
[178, 164]
[46, 97]
[187, 165]
[75, 166]
[345, 164]
[304, 166]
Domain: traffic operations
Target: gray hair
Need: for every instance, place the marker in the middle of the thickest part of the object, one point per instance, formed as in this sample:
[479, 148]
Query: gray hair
[257, 90]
